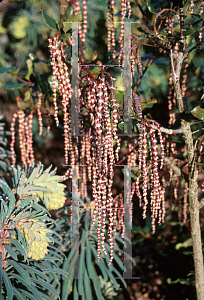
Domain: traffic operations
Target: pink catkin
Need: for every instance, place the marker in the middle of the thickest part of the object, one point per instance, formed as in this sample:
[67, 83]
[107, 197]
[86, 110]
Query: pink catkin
[112, 29]
[13, 139]
[39, 114]
[21, 132]
[192, 6]
[85, 21]
[185, 202]
[201, 8]
[31, 139]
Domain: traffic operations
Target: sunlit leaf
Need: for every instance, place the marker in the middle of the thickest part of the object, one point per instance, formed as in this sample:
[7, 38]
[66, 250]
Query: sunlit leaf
[198, 112]
[151, 8]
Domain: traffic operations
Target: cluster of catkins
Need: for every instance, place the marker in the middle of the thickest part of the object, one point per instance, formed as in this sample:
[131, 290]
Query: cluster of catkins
[93, 149]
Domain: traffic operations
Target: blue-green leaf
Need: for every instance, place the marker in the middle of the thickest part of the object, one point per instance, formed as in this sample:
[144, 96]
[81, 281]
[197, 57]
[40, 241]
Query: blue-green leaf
[112, 278]
[88, 258]
[18, 294]
[101, 263]
[20, 270]
[35, 271]
[75, 292]
[87, 285]
[19, 247]
[30, 287]
[68, 281]
[96, 284]
[8, 285]
[119, 276]
[11, 252]
[119, 261]
[46, 285]
[14, 86]
[87, 220]
[4, 70]
[70, 255]
[29, 295]
[81, 263]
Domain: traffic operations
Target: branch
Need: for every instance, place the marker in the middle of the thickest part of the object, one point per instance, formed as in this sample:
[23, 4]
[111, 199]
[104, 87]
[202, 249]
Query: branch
[176, 77]
[176, 169]
[201, 203]
[168, 131]
[144, 16]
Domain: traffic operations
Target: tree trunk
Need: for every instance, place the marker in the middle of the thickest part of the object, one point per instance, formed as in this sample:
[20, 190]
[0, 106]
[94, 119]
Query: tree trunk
[194, 208]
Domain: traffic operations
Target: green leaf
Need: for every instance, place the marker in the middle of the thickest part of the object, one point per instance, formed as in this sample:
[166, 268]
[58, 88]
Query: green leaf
[76, 18]
[9, 288]
[198, 112]
[49, 21]
[67, 26]
[119, 96]
[81, 263]
[29, 63]
[189, 31]
[121, 126]
[149, 104]
[14, 86]
[96, 70]
[151, 8]
[62, 37]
